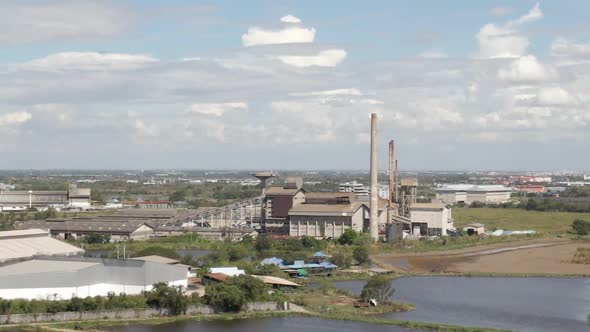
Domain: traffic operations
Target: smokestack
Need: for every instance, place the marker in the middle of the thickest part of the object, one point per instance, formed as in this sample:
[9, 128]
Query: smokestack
[391, 181]
[374, 204]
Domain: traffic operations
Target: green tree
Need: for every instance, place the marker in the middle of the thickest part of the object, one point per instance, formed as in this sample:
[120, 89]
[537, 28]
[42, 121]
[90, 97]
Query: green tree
[348, 237]
[342, 258]
[225, 296]
[361, 254]
[178, 195]
[581, 227]
[263, 243]
[379, 288]
[95, 237]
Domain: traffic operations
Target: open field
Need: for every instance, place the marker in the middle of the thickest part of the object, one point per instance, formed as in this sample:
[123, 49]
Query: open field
[535, 257]
[518, 219]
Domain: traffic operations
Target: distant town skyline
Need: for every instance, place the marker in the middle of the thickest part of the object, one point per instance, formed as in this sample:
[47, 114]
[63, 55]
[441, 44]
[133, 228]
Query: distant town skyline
[471, 85]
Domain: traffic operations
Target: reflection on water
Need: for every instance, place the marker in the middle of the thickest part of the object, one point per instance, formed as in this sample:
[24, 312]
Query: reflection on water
[282, 324]
[522, 304]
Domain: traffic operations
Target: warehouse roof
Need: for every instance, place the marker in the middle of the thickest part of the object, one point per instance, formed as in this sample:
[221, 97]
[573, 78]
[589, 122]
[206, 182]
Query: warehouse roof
[427, 206]
[282, 191]
[82, 226]
[28, 243]
[157, 259]
[276, 281]
[473, 188]
[44, 266]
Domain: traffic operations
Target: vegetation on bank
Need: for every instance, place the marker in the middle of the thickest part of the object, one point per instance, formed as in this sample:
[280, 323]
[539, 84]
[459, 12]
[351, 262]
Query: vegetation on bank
[545, 222]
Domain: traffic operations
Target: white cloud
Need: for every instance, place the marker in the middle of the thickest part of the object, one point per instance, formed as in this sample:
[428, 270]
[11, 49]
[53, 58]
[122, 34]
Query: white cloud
[290, 19]
[505, 41]
[533, 15]
[89, 61]
[217, 109]
[554, 96]
[526, 68]
[258, 36]
[14, 118]
[500, 11]
[567, 48]
[327, 58]
[26, 21]
[335, 92]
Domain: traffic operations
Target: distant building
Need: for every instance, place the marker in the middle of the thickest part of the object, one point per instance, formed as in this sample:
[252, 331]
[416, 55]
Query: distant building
[530, 179]
[119, 230]
[474, 229]
[21, 200]
[531, 188]
[60, 278]
[468, 193]
[353, 187]
[149, 204]
[431, 219]
[4, 186]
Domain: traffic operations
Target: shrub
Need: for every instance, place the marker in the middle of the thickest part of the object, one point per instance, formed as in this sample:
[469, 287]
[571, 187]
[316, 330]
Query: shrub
[348, 237]
[581, 227]
[361, 254]
[378, 288]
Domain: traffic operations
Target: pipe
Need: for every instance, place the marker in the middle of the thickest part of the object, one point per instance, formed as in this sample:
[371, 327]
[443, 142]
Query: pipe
[374, 204]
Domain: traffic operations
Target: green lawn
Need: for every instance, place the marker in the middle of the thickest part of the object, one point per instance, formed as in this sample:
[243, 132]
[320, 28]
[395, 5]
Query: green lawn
[518, 219]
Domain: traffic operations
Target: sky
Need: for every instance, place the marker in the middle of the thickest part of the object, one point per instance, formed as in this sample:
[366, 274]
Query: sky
[460, 85]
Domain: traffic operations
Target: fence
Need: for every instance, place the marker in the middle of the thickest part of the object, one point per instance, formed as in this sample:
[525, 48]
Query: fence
[127, 314]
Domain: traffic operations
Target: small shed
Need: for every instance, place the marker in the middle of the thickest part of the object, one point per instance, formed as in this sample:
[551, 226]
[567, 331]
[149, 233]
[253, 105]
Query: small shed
[474, 229]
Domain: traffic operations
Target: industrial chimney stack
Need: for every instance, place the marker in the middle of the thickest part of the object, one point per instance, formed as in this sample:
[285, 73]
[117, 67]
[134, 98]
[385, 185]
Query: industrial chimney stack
[374, 204]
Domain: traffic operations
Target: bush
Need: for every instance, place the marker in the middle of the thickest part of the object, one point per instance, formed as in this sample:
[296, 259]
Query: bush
[91, 238]
[166, 297]
[581, 227]
[342, 258]
[263, 243]
[348, 237]
[225, 296]
[378, 288]
[361, 254]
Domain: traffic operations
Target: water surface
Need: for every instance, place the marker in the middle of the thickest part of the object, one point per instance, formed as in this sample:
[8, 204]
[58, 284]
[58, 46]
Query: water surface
[518, 304]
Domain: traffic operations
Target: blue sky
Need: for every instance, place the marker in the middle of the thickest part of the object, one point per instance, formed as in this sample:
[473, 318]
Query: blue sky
[290, 84]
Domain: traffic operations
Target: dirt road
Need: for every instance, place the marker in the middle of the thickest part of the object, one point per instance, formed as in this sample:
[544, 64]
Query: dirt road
[546, 257]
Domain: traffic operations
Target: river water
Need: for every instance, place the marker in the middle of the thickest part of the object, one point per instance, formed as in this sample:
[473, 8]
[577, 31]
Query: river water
[518, 304]
[282, 324]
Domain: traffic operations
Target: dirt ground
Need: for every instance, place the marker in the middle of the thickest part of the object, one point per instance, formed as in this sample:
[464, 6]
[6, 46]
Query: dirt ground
[534, 257]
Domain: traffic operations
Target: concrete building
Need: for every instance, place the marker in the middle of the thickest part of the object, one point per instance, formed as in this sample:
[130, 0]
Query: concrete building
[353, 187]
[326, 220]
[120, 230]
[21, 200]
[468, 193]
[474, 229]
[431, 219]
[66, 277]
[24, 244]
[279, 200]
[531, 188]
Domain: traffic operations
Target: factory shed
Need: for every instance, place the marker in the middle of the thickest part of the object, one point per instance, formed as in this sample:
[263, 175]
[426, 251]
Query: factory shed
[157, 259]
[24, 244]
[214, 278]
[474, 229]
[431, 219]
[277, 283]
[73, 228]
[66, 277]
[326, 220]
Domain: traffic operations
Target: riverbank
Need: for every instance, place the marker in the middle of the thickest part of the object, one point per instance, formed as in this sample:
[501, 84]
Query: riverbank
[100, 325]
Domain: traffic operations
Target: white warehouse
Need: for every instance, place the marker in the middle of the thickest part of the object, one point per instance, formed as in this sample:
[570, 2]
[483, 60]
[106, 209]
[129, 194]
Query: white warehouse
[469, 193]
[66, 277]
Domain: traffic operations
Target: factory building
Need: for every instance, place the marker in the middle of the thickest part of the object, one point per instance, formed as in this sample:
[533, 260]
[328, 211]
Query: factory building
[326, 220]
[468, 193]
[24, 244]
[430, 219]
[60, 278]
[120, 230]
[21, 200]
[353, 187]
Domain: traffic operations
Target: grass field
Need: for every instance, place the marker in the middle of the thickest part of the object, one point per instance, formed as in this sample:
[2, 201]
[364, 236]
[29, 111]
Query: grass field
[517, 219]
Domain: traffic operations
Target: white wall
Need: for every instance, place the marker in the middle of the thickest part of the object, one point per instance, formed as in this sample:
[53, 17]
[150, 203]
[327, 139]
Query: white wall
[65, 293]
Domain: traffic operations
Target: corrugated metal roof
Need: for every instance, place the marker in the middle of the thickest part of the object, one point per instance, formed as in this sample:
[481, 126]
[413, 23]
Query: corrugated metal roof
[35, 243]
[44, 266]
[276, 281]
[157, 259]
[281, 191]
